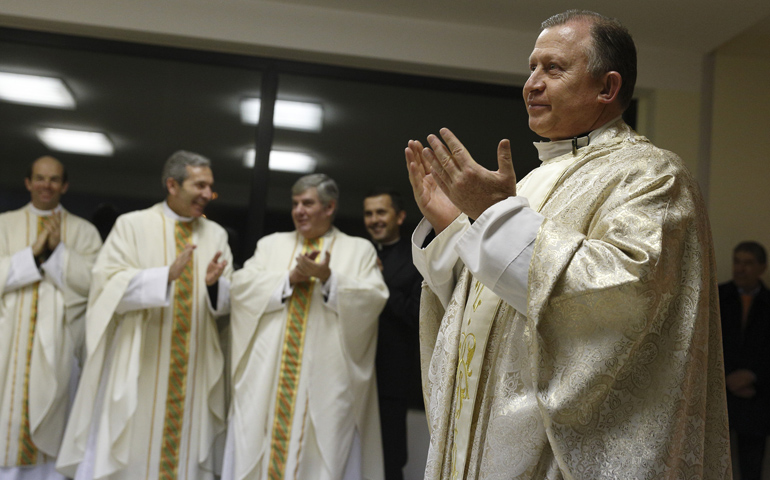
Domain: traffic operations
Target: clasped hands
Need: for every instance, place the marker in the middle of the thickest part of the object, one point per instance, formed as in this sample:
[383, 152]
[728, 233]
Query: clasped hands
[213, 271]
[741, 383]
[307, 268]
[49, 237]
[447, 181]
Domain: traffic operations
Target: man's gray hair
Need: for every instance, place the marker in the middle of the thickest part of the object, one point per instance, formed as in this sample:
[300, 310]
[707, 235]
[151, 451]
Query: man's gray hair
[176, 164]
[326, 187]
[613, 49]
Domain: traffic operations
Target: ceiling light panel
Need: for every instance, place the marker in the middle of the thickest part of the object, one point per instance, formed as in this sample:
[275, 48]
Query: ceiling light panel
[35, 90]
[76, 141]
[290, 115]
[283, 161]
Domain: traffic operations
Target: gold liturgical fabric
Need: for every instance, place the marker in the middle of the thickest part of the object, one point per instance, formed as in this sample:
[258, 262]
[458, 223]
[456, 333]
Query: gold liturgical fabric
[616, 369]
[480, 311]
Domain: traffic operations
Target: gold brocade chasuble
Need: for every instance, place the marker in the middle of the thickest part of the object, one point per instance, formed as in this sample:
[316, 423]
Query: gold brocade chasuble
[177, 373]
[478, 317]
[615, 369]
[290, 368]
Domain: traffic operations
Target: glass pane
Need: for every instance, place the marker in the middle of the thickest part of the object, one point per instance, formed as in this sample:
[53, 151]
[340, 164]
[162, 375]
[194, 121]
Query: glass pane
[149, 108]
[365, 130]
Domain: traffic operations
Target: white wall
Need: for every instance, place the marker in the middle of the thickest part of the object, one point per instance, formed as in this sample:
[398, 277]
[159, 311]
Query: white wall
[400, 44]
[740, 149]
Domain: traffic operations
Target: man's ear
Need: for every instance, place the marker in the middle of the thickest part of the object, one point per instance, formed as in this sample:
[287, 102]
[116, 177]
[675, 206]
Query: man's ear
[172, 186]
[65, 187]
[400, 216]
[331, 208]
[611, 82]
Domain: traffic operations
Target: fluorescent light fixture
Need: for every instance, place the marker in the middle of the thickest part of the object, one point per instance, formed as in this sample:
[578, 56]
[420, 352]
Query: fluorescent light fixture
[76, 141]
[35, 90]
[283, 161]
[290, 115]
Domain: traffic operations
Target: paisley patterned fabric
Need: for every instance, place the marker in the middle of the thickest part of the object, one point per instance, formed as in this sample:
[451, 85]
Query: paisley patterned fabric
[617, 370]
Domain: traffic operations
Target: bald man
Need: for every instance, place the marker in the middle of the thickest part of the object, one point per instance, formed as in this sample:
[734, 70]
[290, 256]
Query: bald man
[46, 254]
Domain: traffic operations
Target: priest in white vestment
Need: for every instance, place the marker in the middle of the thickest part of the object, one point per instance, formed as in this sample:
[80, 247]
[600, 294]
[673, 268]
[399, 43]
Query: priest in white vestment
[46, 255]
[151, 402]
[572, 331]
[304, 325]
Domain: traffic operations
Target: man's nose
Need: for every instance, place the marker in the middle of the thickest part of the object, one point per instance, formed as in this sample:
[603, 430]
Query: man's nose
[534, 82]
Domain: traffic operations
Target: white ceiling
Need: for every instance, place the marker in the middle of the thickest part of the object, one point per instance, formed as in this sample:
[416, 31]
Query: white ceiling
[696, 25]
[483, 40]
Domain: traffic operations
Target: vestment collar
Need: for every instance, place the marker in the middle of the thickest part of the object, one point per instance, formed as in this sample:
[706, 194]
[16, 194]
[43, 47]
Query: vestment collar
[44, 213]
[173, 215]
[381, 246]
[549, 150]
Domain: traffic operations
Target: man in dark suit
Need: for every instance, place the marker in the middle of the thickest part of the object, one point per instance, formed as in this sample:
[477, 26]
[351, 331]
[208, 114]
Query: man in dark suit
[397, 361]
[745, 310]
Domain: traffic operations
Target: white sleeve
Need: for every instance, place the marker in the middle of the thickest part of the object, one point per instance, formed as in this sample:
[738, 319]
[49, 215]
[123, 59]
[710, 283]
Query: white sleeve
[282, 292]
[223, 298]
[54, 266]
[149, 288]
[329, 292]
[498, 248]
[439, 263]
[22, 270]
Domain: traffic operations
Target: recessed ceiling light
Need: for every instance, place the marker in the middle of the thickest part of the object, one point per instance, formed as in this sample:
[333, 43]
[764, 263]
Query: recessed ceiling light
[290, 115]
[76, 141]
[35, 90]
[284, 161]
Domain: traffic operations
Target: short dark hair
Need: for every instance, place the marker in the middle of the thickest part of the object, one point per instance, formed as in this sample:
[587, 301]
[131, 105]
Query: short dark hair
[176, 166]
[64, 174]
[395, 198]
[754, 248]
[612, 49]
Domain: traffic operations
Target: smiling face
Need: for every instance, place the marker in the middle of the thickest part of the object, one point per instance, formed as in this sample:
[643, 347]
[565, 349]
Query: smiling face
[563, 99]
[311, 217]
[381, 219]
[46, 184]
[191, 197]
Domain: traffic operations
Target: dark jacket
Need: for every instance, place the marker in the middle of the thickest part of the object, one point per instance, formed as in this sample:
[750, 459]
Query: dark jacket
[397, 362]
[749, 349]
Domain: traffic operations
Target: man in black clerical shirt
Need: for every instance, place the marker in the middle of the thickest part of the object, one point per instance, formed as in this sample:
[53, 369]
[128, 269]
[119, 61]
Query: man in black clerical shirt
[397, 360]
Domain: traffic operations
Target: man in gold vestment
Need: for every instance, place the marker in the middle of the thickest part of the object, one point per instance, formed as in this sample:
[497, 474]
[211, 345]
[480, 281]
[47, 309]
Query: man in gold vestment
[572, 331]
[151, 402]
[46, 255]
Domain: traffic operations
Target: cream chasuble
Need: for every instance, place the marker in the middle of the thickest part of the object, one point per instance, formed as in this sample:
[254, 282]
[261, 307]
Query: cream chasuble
[296, 416]
[480, 311]
[40, 334]
[616, 370]
[163, 406]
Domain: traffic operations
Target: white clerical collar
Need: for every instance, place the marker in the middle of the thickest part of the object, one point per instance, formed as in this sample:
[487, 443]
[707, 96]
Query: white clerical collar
[44, 213]
[173, 215]
[380, 246]
[549, 150]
